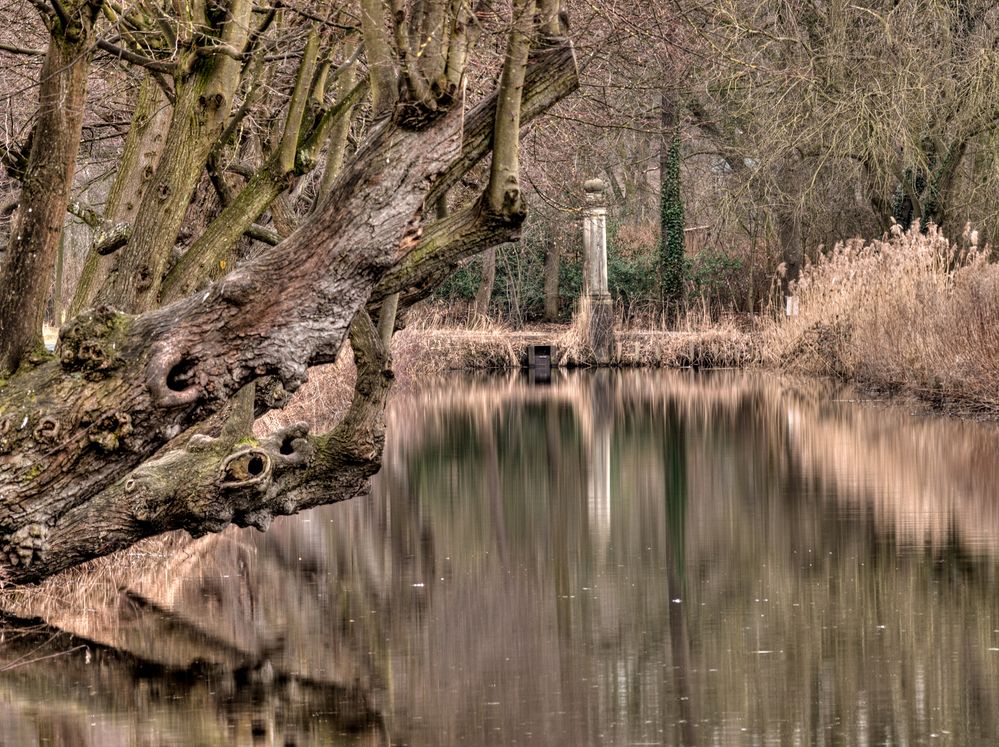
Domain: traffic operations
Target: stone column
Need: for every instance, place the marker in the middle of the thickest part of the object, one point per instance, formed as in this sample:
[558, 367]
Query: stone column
[596, 306]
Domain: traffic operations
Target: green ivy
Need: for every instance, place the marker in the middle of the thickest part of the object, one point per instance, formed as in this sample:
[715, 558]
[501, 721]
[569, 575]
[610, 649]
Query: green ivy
[462, 284]
[671, 220]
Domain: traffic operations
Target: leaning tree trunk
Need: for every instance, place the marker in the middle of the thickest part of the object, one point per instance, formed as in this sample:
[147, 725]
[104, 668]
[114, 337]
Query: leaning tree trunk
[83, 468]
[26, 275]
[123, 386]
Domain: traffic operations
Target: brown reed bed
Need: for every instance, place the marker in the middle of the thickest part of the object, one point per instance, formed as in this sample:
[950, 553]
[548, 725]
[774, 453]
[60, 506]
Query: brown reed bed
[430, 347]
[909, 314]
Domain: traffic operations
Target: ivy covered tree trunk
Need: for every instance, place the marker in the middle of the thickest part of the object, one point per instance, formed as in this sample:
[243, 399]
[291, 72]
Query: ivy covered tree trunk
[670, 211]
[925, 195]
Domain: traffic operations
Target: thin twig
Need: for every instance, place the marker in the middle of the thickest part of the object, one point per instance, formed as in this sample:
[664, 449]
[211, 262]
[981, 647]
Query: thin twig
[136, 59]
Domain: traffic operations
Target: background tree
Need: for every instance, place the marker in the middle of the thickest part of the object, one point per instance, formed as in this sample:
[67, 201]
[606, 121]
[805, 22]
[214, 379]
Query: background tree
[836, 117]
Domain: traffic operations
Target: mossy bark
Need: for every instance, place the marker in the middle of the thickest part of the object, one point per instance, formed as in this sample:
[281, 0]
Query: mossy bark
[209, 257]
[212, 255]
[139, 159]
[204, 88]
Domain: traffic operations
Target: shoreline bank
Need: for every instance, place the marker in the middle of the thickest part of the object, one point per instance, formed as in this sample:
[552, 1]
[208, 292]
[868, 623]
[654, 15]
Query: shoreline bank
[425, 351]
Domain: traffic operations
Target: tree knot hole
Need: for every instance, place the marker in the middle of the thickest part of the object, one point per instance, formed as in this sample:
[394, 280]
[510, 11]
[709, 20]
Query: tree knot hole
[47, 430]
[180, 377]
[170, 377]
[249, 466]
[255, 466]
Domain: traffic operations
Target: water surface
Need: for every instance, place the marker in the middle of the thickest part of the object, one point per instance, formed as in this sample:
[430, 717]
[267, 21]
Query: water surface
[619, 558]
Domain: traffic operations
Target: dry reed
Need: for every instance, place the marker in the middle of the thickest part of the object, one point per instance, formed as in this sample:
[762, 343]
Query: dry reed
[910, 313]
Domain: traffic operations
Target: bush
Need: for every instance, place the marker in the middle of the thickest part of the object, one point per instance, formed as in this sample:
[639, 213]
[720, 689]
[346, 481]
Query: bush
[719, 277]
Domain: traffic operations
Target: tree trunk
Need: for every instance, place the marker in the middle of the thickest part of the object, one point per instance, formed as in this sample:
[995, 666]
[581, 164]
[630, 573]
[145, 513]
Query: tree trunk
[213, 254]
[57, 284]
[941, 184]
[791, 247]
[210, 256]
[123, 386]
[551, 72]
[789, 234]
[552, 261]
[485, 292]
[204, 94]
[26, 274]
[139, 159]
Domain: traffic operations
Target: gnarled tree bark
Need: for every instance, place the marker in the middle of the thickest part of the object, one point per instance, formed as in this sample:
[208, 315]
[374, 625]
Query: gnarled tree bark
[78, 434]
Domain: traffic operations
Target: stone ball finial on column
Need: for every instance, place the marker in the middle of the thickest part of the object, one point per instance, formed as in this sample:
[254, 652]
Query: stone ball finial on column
[595, 190]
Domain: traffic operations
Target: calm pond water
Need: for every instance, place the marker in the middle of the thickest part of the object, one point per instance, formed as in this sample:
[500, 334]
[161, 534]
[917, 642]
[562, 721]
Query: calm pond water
[619, 558]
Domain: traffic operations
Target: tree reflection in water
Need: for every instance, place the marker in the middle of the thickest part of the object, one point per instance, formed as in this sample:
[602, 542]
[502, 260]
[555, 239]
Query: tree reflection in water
[619, 557]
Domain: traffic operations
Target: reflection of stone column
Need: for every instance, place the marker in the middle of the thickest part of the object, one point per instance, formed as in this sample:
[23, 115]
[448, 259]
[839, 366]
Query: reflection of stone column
[597, 438]
[598, 490]
[596, 306]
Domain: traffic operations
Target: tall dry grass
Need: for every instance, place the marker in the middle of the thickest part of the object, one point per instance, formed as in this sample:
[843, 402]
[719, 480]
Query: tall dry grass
[911, 312]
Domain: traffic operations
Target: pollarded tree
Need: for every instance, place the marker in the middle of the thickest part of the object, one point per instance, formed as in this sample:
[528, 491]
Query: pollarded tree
[140, 422]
